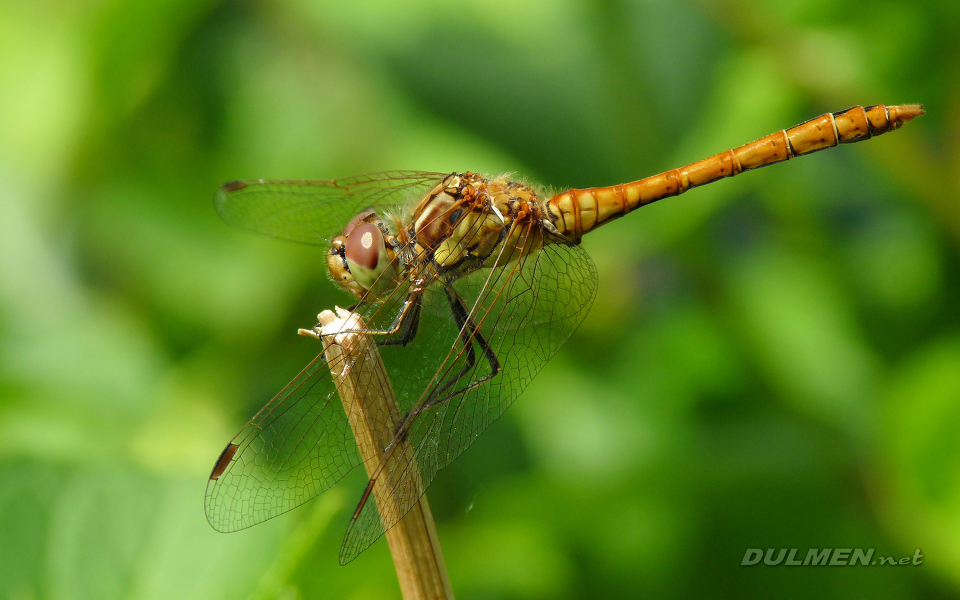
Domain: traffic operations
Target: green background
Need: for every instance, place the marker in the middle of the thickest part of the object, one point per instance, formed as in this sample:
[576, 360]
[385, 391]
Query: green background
[771, 361]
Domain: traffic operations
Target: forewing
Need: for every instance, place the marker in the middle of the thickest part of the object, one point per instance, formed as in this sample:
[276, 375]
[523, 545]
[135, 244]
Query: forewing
[525, 311]
[300, 443]
[296, 447]
[313, 211]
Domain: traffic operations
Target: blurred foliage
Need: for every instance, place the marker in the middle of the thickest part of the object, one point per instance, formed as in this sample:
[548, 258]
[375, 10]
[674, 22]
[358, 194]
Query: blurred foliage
[772, 361]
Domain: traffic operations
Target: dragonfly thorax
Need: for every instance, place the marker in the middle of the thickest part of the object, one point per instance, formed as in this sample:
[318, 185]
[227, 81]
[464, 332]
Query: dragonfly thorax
[465, 219]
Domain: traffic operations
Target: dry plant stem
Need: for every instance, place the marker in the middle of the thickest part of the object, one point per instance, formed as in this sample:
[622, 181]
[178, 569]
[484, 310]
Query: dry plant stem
[374, 416]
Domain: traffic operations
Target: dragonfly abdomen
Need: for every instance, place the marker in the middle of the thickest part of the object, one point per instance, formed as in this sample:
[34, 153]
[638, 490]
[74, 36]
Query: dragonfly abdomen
[576, 212]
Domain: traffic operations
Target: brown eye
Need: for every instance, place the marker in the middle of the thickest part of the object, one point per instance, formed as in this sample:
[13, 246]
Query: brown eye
[363, 246]
[357, 220]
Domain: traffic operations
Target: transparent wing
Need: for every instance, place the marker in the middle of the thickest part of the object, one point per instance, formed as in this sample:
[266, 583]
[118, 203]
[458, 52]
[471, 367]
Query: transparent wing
[297, 446]
[524, 311]
[300, 444]
[313, 211]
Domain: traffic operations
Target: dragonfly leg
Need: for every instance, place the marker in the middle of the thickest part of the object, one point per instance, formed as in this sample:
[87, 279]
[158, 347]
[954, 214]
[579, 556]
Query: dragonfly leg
[407, 322]
[469, 333]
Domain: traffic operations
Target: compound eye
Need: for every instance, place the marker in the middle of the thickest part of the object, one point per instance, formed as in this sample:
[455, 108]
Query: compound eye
[357, 220]
[364, 244]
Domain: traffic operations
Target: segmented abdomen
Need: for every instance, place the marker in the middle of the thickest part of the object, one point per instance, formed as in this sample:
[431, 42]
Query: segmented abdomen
[575, 212]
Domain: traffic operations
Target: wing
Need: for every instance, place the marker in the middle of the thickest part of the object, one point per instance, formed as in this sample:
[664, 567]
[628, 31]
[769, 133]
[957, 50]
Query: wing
[297, 446]
[300, 444]
[313, 211]
[525, 311]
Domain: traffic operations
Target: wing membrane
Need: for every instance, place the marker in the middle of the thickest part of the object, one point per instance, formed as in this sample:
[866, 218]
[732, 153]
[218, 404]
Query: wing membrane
[296, 447]
[300, 444]
[311, 212]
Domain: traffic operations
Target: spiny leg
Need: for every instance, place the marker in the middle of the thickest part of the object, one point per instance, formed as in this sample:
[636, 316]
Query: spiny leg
[408, 324]
[469, 333]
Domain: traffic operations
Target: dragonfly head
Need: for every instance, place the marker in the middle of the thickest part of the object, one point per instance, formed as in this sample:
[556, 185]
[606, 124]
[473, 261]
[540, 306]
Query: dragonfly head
[359, 258]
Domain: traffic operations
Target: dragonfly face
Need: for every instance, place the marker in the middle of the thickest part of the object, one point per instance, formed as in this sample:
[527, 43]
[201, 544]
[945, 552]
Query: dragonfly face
[360, 259]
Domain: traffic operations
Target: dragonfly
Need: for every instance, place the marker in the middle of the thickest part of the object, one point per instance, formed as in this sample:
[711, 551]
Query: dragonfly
[469, 285]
